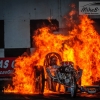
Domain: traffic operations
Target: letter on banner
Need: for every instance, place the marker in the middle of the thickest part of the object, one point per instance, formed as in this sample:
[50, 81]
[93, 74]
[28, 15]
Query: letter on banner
[1, 63]
[6, 64]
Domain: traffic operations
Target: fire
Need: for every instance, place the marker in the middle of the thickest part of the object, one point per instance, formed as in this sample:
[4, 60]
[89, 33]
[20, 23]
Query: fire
[81, 45]
[86, 50]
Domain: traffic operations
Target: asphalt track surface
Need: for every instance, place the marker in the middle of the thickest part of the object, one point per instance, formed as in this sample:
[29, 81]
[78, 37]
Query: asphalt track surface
[49, 96]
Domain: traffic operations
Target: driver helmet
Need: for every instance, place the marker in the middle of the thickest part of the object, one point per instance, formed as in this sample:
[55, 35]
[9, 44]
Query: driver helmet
[53, 60]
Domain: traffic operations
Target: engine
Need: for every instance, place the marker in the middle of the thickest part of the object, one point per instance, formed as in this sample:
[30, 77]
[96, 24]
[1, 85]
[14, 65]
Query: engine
[65, 72]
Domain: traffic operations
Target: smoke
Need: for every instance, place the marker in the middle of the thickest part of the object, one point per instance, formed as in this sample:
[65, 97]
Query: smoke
[70, 19]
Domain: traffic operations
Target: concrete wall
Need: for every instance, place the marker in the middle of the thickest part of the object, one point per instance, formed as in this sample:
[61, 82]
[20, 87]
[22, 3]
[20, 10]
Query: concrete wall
[18, 13]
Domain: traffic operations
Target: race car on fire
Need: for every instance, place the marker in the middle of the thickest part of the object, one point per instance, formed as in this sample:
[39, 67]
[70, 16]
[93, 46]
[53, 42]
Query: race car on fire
[56, 71]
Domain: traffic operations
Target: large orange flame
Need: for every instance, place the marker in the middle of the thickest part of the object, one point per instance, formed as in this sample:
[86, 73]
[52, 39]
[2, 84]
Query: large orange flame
[81, 45]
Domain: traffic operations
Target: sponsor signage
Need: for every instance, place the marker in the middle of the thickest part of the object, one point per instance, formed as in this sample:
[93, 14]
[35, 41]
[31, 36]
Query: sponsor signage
[89, 7]
[6, 66]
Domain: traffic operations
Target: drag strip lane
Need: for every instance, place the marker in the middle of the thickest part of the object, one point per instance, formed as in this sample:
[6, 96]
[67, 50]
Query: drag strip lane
[48, 96]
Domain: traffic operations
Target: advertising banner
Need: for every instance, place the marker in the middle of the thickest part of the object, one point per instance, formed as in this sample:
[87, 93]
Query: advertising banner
[6, 67]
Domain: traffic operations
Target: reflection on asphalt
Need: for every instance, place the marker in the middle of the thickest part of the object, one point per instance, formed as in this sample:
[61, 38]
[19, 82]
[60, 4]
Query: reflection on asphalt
[49, 96]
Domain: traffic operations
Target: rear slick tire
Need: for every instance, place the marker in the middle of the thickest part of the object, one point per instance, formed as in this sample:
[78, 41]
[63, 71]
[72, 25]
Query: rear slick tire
[40, 80]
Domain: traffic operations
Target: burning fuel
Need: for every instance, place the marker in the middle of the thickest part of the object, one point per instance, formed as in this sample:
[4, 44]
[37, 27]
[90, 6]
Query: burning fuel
[81, 45]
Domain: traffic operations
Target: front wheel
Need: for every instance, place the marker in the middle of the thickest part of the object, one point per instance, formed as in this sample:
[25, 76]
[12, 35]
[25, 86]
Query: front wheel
[73, 87]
